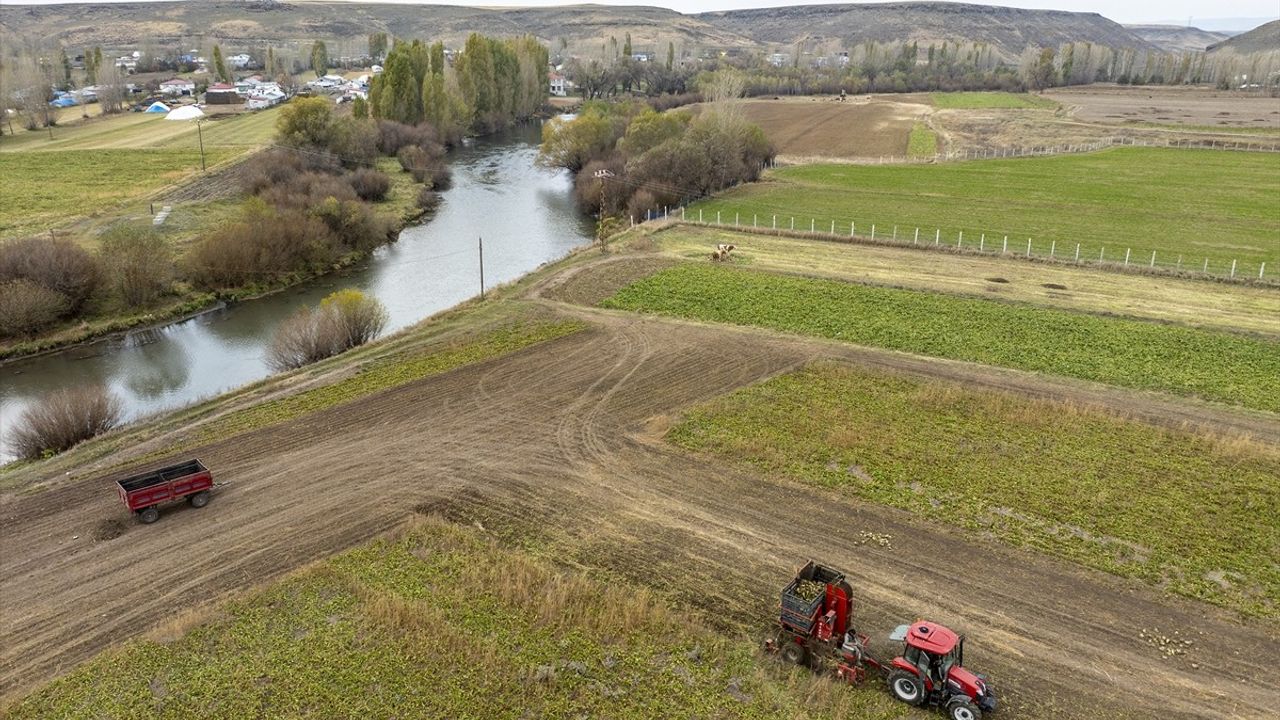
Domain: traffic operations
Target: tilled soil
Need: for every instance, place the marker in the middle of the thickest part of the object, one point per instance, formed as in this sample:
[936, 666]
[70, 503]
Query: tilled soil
[562, 441]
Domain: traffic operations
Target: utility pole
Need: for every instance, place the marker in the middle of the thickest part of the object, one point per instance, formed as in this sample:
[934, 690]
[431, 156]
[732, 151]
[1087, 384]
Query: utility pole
[200, 133]
[481, 267]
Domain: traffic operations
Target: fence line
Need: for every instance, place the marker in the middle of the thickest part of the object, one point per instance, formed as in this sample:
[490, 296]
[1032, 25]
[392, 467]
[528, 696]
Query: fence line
[1068, 254]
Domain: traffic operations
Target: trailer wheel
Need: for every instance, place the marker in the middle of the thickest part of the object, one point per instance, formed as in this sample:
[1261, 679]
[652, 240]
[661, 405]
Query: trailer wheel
[149, 515]
[200, 499]
[794, 653]
[963, 710]
[906, 687]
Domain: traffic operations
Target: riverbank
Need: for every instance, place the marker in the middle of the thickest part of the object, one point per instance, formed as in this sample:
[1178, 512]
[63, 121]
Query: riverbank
[400, 207]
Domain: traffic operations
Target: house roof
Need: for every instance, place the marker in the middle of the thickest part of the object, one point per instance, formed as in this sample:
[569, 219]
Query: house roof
[222, 87]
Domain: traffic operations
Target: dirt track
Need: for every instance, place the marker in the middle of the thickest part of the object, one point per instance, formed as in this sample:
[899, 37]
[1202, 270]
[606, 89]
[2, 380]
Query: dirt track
[561, 440]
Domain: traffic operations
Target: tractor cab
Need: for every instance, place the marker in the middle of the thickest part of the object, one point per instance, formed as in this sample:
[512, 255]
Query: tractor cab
[931, 669]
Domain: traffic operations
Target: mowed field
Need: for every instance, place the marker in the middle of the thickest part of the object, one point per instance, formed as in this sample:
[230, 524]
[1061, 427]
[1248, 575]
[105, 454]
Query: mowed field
[1188, 204]
[570, 447]
[102, 162]
[822, 127]
[1191, 107]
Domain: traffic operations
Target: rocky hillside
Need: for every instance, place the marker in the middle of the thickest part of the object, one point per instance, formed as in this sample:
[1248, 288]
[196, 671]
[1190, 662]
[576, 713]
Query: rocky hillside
[1264, 38]
[1175, 38]
[583, 28]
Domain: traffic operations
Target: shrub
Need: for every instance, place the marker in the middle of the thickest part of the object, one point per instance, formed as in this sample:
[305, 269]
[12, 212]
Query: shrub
[370, 185]
[606, 195]
[641, 201]
[392, 136]
[26, 307]
[344, 320]
[65, 417]
[306, 189]
[428, 198]
[354, 224]
[265, 244]
[57, 264]
[279, 166]
[306, 121]
[354, 141]
[139, 262]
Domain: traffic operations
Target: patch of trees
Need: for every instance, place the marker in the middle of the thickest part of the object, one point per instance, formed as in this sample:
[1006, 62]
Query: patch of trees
[629, 159]
[491, 84]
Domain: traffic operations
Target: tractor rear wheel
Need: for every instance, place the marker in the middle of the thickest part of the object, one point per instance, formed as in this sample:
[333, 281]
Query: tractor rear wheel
[149, 515]
[200, 499]
[906, 687]
[794, 653]
[963, 710]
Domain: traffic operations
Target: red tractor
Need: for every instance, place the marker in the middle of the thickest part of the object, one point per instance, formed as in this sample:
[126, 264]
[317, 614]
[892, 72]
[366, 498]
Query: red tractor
[815, 629]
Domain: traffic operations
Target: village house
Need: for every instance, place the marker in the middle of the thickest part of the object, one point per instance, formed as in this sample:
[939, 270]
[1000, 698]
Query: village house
[558, 85]
[177, 86]
[221, 94]
[240, 61]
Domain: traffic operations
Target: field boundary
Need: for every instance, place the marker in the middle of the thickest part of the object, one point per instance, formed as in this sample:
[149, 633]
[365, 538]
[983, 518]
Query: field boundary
[1049, 151]
[832, 231]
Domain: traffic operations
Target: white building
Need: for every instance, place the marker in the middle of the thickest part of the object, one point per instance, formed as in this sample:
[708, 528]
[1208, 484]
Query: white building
[178, 86]
[559, 85]
[239, 62]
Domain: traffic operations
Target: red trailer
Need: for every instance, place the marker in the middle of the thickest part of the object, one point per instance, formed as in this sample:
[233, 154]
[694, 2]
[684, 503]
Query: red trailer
[143, 493]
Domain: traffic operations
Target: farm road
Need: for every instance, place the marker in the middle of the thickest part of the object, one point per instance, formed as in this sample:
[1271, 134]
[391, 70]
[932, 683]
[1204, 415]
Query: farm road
[562, 440]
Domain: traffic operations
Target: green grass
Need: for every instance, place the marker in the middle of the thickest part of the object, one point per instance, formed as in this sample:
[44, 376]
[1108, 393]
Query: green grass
[923, 142]
[44, 190]
[380, 375]
[1218, 366]
[141, 130]
[1190, 513]
[989, 100]
[1194, 204]
[443, 623]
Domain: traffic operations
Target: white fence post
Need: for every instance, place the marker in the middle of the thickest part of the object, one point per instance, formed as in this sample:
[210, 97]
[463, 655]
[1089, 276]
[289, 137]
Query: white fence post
[960, 239]
[853, 228]
[699, 214]
[1028, 247]
[1052, 246]
[1077, 252]
[1233, 268]
[813, 225]
[735, 219]
[717, 217]
[937, 238]
[1261, 270]
[1206, 266]
[1006, 244]
[833, 227]
[775, 222]
[1153, 258]
[873, 231]
[1126, 256]
[982, 242]
[754, 220]
[793, 222]
[682, 214]
[916, 241]
[895, 232]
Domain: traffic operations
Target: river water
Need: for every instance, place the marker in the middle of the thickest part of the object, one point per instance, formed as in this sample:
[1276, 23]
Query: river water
[524, 213]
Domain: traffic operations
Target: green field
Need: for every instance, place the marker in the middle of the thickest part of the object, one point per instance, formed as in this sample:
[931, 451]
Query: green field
[144, 130]
[1187, 512]
[49, 189]
[441, 622]
[1132, 353]
[923, 142]
[989, 100]
[1218, 306]
[1193, 204]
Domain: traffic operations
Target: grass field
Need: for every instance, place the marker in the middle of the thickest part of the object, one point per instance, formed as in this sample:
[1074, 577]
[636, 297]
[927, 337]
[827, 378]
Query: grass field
[1190, 302]
[143, 130]
[1185, 511]
[1217, 366]
[442, 622]
[989, 100]
[923, 142]
[1194, 204]
[48, 189]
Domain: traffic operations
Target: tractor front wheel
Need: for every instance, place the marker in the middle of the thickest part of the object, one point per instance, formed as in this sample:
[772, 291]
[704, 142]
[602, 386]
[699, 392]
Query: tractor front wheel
[906, 687]
[794, 653]
[963, 710]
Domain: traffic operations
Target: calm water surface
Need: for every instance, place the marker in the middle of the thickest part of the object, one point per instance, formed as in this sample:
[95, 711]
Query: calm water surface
[524, 213]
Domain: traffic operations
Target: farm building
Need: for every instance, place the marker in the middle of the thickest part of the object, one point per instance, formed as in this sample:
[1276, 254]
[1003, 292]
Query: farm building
[178, 86]
[222, 94]
[558, 84]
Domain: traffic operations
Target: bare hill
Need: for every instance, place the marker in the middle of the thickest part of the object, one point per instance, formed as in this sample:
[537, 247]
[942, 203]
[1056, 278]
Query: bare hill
[1008, 30]
[1176, 38]
[582, 27]
[1264, 38]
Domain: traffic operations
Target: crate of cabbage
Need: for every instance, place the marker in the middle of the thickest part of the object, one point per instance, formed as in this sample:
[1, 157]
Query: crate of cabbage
[145, 492]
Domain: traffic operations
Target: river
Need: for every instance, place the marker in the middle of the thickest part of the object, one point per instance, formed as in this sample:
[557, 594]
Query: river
[524, 213]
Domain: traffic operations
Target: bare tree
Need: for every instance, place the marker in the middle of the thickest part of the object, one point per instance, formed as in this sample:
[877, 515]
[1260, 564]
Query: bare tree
[64, 418]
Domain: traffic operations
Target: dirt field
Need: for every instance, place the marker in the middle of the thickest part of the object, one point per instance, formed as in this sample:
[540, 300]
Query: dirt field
[574, 462]
[1170, 105]
[860, 127]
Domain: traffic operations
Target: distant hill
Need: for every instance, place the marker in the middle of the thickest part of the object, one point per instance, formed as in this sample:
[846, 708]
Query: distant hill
[582, 27]
[1264, 38]
[1177, 38]
[1008, 30]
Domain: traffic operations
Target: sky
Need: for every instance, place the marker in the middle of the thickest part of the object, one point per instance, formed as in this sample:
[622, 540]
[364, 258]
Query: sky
[1126, 11]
